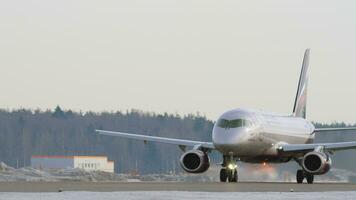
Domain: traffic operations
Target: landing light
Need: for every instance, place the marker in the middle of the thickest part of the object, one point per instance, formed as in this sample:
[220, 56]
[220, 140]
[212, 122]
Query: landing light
[232, 166]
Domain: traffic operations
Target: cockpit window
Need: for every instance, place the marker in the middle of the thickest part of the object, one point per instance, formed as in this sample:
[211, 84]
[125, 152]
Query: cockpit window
[235, 123]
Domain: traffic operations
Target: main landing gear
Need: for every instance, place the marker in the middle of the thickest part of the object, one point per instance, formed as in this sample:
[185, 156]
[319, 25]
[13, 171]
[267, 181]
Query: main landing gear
[229, 170]
[301, 175]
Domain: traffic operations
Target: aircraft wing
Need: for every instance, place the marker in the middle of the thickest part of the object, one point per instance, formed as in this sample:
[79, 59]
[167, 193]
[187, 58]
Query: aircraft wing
[145, 138]
[317, 130]
[337, 146]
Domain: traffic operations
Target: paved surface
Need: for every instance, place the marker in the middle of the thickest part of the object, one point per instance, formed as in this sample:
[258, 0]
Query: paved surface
[172, 186]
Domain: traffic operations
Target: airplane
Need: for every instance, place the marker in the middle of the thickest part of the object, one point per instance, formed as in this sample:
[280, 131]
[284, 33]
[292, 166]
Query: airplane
[253, 136]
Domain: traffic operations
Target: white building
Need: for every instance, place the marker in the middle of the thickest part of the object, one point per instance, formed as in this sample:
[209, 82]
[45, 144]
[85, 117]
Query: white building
[88, 163]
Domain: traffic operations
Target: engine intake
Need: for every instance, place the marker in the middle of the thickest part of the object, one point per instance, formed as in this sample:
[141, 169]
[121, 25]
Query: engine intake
[316, 163]
[195, 161]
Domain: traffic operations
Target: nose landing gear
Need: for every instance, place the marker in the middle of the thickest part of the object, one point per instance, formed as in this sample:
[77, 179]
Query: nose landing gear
[229, 170]
[228, 175]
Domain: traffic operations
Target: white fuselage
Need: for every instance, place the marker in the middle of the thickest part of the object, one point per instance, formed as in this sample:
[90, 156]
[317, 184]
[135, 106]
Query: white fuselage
[254, 136]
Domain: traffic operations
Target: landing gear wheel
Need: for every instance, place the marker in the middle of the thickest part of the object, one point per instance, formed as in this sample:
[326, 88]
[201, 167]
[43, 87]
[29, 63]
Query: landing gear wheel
[300, 176]
[235, 176]
[223, 175]
[232, 176]
[310, 178]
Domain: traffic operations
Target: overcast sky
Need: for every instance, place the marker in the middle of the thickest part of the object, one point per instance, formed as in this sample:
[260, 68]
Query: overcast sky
[178, 56]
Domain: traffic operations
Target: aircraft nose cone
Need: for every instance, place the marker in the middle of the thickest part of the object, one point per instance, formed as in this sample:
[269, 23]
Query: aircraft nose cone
[228, 139]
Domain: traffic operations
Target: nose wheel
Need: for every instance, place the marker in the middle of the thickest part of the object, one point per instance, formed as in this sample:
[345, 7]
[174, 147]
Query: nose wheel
[229, 175]
[229, 169]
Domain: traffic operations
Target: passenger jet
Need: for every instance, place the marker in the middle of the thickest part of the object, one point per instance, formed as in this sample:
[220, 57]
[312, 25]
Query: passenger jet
[258, 137]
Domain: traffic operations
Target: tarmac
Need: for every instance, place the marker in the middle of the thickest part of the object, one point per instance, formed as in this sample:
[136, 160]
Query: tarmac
[172, 186]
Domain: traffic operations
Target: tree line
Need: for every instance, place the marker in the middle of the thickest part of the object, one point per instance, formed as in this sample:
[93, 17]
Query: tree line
[26, 132]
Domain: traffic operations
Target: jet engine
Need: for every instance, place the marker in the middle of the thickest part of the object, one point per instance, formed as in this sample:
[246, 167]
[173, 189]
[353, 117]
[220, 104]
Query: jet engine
[316, 163]
[195, 161]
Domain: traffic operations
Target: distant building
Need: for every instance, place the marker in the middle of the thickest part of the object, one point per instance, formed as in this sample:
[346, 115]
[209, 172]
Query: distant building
[87, 163]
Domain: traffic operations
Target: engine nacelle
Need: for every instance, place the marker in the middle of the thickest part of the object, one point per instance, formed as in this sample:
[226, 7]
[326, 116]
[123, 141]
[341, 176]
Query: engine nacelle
[195, 161]
[316, 163]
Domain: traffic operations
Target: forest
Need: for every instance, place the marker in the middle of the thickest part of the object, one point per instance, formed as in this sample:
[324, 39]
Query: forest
[25, 132]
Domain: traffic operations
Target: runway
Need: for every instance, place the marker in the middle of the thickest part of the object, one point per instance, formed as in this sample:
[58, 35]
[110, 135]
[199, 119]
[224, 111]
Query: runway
[172, 186]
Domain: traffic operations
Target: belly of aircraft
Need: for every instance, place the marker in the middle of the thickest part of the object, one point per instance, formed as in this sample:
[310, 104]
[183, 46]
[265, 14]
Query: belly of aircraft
[263, 147]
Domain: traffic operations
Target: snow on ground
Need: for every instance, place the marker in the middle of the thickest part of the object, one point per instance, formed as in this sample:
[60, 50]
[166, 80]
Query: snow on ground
[250, 173]
[164, 195]
[8, 173]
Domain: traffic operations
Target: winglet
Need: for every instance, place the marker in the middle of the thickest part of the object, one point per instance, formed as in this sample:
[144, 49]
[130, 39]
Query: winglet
[300, 103]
